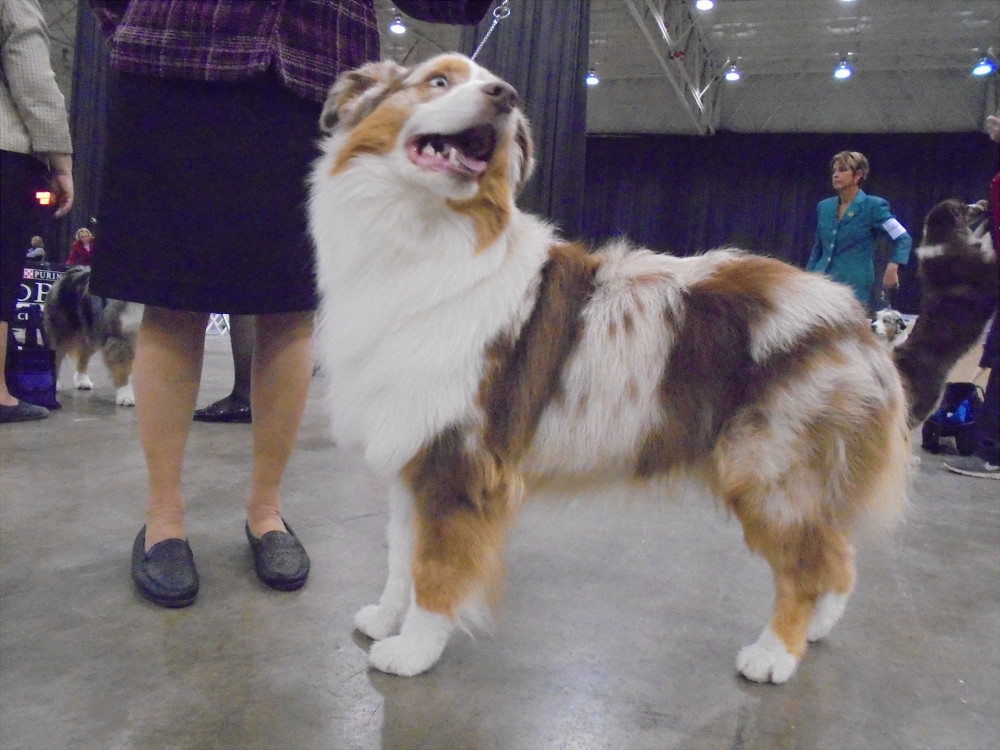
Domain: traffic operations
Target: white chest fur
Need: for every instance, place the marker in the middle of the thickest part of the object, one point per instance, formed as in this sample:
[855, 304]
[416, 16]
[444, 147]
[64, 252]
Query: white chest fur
[408, 308]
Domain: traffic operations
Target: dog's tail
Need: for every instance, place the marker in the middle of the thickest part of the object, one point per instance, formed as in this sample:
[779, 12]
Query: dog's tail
[960, 286]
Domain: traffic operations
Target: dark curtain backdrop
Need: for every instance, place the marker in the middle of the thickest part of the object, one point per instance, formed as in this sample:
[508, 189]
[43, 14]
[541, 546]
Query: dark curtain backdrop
[542, 50]
[87, 116]
[686, 194]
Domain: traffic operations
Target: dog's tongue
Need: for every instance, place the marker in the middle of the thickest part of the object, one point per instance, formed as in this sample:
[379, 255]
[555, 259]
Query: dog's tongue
[451, 159]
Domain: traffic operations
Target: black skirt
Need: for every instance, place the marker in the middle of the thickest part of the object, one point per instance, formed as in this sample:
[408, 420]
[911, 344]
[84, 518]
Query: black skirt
[203, 195]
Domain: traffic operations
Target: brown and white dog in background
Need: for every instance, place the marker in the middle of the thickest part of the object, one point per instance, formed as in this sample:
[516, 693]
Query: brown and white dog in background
[477, 357]
[960, 285]
[80, 323]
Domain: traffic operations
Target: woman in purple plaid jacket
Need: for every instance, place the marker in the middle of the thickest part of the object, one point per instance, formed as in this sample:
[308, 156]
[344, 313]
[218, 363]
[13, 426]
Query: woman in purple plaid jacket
[213, 113]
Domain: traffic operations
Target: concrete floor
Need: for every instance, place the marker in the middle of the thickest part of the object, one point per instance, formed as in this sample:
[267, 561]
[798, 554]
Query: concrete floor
[619, 628]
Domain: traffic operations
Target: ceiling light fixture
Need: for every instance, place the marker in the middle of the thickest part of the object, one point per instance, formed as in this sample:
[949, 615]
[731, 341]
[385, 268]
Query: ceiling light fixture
[732, 73]
[843, 71]
[397, 26]
[704, 4]
[592, 79]
[986, 66]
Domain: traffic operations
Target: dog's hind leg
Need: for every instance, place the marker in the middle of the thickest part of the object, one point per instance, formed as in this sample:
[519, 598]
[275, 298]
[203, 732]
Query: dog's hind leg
[61, 351]
[118, 353]
[813, 568]
[381, 620]
[84, 352]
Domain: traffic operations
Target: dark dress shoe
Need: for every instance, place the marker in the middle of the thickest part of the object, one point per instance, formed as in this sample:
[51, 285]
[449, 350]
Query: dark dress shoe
[166, 574]
[22, 411]
[228, 409]
[280, 559]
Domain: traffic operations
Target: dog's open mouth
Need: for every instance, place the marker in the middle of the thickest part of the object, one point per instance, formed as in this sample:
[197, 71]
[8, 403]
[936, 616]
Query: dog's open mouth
[465, 154]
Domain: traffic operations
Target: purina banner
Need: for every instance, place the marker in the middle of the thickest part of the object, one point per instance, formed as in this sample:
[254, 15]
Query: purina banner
[35, 286]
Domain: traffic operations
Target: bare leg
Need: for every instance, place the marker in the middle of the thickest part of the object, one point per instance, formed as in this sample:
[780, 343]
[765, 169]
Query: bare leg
[282, 370]
[167, 369]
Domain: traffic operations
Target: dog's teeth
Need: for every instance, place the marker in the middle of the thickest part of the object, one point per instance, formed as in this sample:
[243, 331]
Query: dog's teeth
[453, 155]
[428, 150]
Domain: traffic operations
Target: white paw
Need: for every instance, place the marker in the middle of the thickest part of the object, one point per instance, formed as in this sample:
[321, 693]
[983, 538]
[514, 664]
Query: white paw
[376, 623]
[828, 612]
[767, 660]
[417, 647]
[395, 656]
[125, 396]
[82, 381]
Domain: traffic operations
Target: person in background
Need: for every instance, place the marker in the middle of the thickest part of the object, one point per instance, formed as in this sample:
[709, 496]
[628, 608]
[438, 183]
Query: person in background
[213, 114]
[847, 227]
[985, 462]
[81, 252]
[33, 122]
[36, 252]
[235, 408]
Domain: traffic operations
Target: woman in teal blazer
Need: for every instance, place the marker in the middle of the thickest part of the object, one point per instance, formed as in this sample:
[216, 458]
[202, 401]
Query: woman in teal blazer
[847, 227]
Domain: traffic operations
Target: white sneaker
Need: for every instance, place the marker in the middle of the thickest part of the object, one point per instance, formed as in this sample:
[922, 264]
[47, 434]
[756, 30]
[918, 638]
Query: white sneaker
[973, 466]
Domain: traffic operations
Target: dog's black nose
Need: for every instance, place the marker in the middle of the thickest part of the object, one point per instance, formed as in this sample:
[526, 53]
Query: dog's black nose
[503, 96]
[873, 325]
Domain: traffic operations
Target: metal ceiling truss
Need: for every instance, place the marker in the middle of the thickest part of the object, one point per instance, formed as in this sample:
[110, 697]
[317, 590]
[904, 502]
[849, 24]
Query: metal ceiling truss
[682, 51]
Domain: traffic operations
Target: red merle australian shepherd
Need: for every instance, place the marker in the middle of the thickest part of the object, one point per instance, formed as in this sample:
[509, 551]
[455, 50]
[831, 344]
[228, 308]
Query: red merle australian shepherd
[477, 358]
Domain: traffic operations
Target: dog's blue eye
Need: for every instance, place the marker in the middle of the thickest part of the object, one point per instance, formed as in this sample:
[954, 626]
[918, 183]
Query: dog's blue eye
[438, 81]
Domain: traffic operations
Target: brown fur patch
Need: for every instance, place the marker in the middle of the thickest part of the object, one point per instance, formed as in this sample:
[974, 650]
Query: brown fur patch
[711, 374]
[751, 277]
[528, 371]
[376, 135]
[463, 499]
[491, 207]
[455, 69]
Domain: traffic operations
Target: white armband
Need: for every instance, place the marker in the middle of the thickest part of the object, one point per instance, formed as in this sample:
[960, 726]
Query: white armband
[894, 228]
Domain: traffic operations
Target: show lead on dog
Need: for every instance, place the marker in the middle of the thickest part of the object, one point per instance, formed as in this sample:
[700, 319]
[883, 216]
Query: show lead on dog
[847, 227]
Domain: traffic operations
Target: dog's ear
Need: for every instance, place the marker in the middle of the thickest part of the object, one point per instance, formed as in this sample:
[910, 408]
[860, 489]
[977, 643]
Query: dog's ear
[523, 156]
[976, 211]
[358, 92]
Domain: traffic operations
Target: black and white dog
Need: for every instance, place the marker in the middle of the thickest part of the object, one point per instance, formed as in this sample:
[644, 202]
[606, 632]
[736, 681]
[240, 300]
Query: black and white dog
[80, 323]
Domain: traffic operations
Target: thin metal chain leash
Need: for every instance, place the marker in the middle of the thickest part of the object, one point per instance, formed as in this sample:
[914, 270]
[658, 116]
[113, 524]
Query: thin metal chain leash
[500, 12]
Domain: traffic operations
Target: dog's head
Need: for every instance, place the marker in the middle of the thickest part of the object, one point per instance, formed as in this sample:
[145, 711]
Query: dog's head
[950, 218]
[447, 125]
[888, 324]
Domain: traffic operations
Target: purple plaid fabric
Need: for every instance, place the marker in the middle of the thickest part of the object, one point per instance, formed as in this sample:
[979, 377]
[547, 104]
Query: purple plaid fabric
[309, 42]
[463, 12]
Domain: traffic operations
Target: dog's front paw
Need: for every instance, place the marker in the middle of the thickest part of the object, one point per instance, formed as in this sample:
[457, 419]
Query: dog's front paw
[125, 396]
[828, 612]
[417, 647]
[82, 381]
[767, 660]
[403, 656]
[375, 622]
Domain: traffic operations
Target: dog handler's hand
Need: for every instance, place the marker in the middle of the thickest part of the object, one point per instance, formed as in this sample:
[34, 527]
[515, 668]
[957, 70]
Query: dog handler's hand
[61, 182]
[891, 278]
